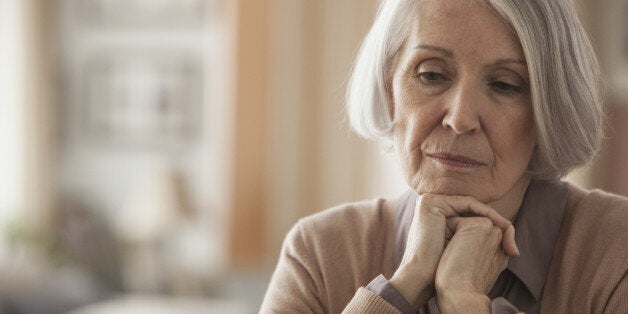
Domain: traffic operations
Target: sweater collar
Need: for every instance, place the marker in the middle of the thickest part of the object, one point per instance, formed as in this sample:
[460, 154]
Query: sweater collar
[537, 225]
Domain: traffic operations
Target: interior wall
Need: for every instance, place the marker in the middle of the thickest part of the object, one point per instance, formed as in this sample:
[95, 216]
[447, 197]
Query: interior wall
[294, 154]
[605, 22]
[315, 161]
[247, 235]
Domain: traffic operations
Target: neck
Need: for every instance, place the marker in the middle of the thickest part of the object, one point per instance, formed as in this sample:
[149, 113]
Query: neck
[508, 205]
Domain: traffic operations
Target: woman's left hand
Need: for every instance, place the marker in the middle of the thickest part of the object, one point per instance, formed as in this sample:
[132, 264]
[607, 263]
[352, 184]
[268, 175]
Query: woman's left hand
[469, 266]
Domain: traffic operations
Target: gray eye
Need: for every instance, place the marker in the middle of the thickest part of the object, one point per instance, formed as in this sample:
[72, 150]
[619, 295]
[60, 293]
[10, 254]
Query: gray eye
[430, 76]
[505, 88]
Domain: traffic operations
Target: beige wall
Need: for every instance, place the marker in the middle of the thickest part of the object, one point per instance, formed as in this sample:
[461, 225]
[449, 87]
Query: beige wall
[311, 160]
[315, 161]
[247, 235]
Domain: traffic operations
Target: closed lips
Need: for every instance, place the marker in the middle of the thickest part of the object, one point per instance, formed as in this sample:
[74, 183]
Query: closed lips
[456, 159]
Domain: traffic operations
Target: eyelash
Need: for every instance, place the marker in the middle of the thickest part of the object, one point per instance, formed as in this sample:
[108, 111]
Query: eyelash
[422, 75]
[506, 88]
[500, 86]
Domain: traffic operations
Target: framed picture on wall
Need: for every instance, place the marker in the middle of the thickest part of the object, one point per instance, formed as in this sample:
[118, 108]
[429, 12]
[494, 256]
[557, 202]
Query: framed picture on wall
[142, 98]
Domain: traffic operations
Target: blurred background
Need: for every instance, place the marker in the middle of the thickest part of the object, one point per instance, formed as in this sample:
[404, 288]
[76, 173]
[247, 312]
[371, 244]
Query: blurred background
[154, 153]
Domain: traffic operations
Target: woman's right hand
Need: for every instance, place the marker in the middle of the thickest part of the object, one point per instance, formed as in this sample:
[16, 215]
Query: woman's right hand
[428, 236]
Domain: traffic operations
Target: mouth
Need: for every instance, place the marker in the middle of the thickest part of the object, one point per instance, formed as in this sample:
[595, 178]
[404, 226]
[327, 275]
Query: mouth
[454, 160]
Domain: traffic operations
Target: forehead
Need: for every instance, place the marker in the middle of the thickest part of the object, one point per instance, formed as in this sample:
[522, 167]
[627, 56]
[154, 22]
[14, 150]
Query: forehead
[468, 27]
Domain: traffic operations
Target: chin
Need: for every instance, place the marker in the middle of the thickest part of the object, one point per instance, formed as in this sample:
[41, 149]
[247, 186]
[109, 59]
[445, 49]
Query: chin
[451, 186]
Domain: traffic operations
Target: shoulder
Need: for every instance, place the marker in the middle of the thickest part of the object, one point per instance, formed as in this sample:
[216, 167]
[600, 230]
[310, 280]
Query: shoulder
[592, 244]
[351, 241]
[582, 197]
[348, 225]
[356, 217]
[327, 256]
[597, 212]
[594, 232]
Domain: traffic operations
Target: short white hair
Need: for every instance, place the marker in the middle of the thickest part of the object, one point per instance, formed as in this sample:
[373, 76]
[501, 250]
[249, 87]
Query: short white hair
[565, 79]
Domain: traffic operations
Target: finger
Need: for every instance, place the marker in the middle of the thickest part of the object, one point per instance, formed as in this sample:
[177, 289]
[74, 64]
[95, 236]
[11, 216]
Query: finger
[469, 205]
[452, 224]
[456, 205]
[508, 236]
[508, 242]
[449, 232]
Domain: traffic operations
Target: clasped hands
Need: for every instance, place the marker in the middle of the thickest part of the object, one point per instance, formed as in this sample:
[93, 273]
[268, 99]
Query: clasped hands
[456, 249]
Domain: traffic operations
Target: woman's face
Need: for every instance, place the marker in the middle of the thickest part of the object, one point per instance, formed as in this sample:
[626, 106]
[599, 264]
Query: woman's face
[463, 121]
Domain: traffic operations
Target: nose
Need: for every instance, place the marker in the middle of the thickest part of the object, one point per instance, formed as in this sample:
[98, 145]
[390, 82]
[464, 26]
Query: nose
[463, 110]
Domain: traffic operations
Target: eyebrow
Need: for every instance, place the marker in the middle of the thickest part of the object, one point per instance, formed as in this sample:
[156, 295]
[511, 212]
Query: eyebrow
[450, 54]
[505, 61]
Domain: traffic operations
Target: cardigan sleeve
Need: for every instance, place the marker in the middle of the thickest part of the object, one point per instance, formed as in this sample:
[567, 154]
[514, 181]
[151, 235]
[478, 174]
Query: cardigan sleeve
[382, 289]
[366, 301]
[295, 286]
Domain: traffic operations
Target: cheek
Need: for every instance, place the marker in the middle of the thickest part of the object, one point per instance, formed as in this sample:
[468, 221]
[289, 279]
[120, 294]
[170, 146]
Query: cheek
[414, 118]
[406, 140]
[527, 132]
[517, 140]
[409, 131]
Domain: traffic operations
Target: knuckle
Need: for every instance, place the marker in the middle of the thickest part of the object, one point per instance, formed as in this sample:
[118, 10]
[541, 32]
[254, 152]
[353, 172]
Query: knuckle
[483, 223]
[466, 223]
[468, 199]
[478, 223]
[430, 211]
[428, 204]
[496, 232]
[426, 198]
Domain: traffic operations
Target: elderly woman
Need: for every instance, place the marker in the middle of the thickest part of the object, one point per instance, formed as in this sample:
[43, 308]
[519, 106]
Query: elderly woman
[487, 103]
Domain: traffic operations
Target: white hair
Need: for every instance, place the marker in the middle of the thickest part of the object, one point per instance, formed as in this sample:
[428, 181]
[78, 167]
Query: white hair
[565, 79]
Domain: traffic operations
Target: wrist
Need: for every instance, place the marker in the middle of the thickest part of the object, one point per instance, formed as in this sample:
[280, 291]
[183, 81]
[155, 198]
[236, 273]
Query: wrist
[462, 302]
[416, 288]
